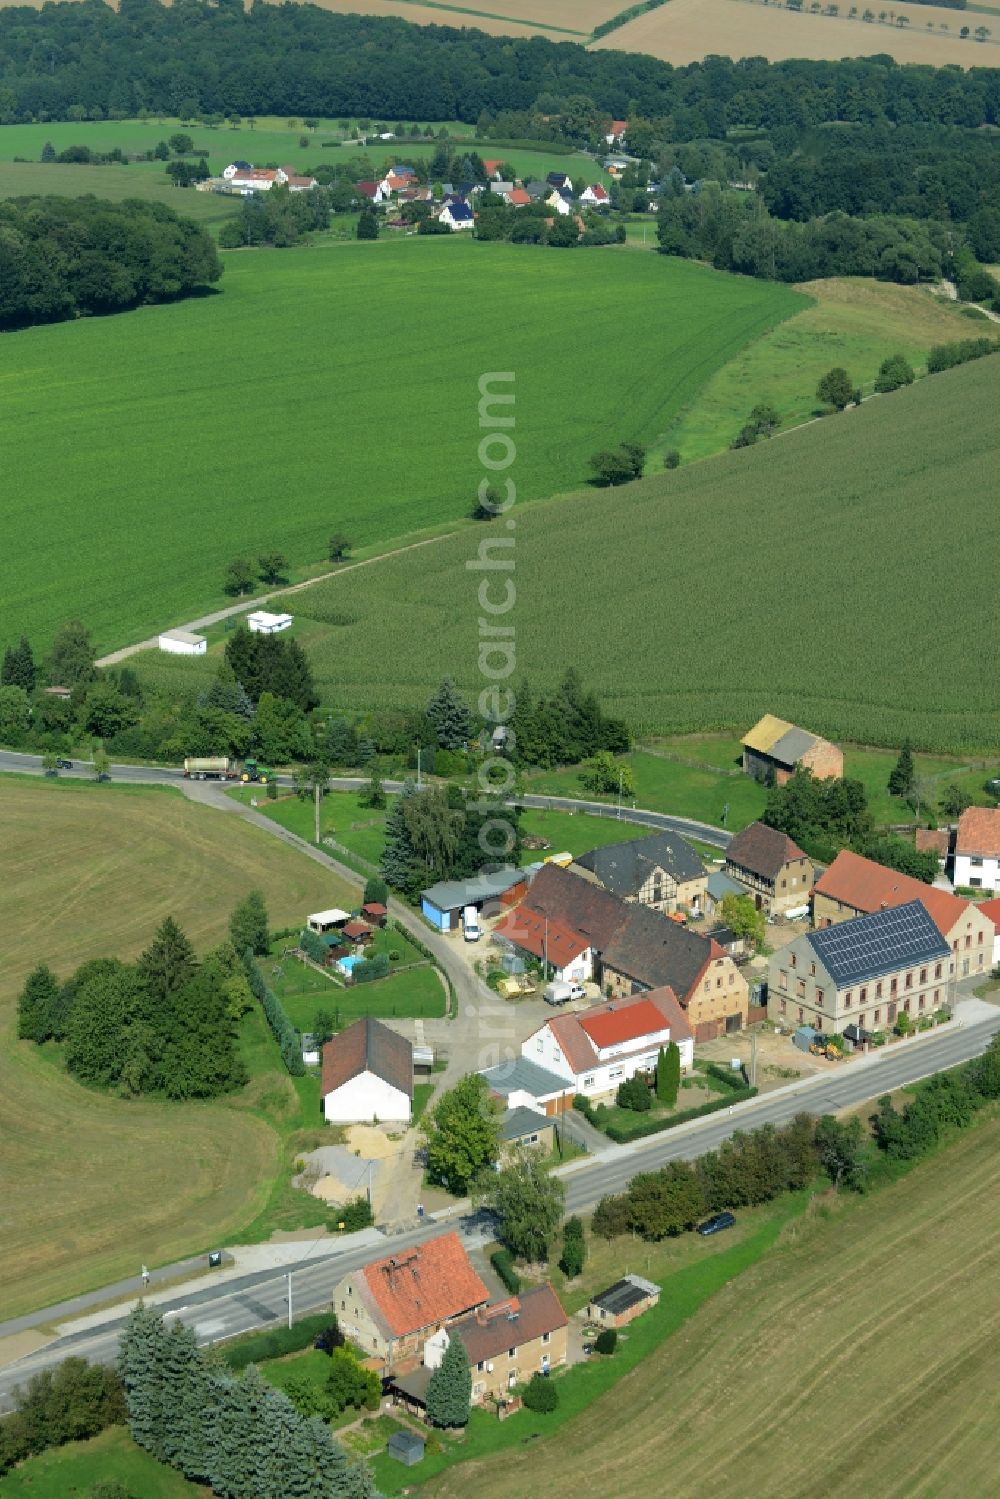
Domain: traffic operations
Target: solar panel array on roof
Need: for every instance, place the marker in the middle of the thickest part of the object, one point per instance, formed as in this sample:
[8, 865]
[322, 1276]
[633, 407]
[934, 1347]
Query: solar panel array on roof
[881, 943]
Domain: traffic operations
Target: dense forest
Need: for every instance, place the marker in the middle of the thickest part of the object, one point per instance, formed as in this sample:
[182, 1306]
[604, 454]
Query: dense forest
[63, 257]
[86, 61]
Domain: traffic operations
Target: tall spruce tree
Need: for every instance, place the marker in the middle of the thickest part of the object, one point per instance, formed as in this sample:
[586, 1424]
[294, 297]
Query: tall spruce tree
[37, 1004]
[902, 777]
[449, 1391]
[398, 854]
[168, 962]
[248, 925]
[19, 666]
[449, 716]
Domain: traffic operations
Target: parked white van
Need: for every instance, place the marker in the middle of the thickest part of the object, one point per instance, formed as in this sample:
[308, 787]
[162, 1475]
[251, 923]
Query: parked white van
[470, 924]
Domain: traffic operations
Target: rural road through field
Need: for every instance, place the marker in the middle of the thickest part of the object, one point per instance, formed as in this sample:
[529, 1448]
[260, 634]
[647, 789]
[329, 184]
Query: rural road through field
[256, 1299]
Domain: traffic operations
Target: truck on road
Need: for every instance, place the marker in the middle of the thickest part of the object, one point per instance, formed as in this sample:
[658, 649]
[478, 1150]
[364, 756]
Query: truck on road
[210, 768]
[221, 768]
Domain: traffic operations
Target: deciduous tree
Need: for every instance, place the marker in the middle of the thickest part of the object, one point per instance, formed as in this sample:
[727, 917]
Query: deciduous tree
[528, 1201]
[462, 1134]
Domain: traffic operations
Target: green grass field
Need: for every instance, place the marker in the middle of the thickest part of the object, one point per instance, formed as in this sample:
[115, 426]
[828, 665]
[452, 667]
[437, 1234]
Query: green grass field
[836, 576]
[878, 1313]
[853, 323]
[19, 179]
[324, 388]
[98, 870]
[68, 1471]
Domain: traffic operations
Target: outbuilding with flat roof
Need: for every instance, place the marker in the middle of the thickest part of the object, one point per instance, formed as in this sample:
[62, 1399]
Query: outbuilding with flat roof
[442, 904]
[263, 623]
[182, 643]
[621, 1303]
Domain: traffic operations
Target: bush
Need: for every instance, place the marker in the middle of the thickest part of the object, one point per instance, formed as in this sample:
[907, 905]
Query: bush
[503, 1263]
[281, 1027]
[606, 1340]
[313, 946]
[671, 458]
[541, 1394]
[371, 969]
[354, 1215]
[893, 373]
[635, 1095]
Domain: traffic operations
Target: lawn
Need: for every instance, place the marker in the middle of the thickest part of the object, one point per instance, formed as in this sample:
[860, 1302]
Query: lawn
[414, 993]
[573, 832]
[852, 322]
[110, 1457]
[22, 179]
[341, 817]
[666, 785]
[757, 582]
[98, 870]
[887, 1306]
[261, 407]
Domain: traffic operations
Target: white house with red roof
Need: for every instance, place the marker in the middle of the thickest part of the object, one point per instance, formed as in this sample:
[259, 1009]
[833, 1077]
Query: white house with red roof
[596, 195]
[596, 1050]
[977, 849]
[616, 134]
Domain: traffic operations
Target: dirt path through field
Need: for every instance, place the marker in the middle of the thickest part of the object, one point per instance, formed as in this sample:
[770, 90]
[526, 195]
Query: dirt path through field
[244, 605]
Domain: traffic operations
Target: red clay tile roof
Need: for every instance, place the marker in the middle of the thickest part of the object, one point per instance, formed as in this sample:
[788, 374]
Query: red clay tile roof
[612, 1025]
[979, 832]
[490, 166]
[618, 126]
[991, 910]
[517, 197]
[762, 850]
[367, 1046]
[528, 930]
[425, 1285]
[580, 1035]
[598, 190]
[375, 908]
[510, 1324]
[356, 929]
[868, 887]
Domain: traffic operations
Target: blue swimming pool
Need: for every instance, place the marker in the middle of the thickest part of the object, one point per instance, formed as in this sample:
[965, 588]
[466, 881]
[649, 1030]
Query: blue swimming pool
[347, 964]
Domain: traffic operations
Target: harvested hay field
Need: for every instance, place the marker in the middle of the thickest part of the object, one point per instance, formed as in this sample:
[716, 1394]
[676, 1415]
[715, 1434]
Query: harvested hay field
[881, 1313]
[687, 30]
[92, 1185]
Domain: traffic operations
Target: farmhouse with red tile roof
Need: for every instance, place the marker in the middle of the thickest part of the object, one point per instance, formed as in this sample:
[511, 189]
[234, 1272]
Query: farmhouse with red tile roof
[853, 886]
[390, 1306]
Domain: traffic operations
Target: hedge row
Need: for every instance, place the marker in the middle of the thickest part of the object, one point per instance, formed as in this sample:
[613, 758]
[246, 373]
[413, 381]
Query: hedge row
[503, 1263]
[946, 356]
[730, 1077]
[622, 1134]
[282, 1029]
[276, 1341]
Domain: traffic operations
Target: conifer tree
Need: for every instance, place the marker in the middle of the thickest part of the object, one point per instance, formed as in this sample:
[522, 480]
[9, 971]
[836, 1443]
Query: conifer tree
[398, 854]
[668, 1073]
[19, 666]
[449, 716]
[902, 777]
[37, 1004]
[168, 962]
[449, 1392]
[248, 925]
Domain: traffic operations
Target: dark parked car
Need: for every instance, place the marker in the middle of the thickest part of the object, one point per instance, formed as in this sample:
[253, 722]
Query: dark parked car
[104, 776]
[64, 765]
[716, 1224]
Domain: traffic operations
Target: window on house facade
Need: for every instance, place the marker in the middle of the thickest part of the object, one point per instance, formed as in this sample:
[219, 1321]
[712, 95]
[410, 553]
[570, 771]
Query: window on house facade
[588, 1082]
[708, 986]
[800, 988]
[477, 1389]
[546, 1337]
[936, 993]
[784, 884]
[909, 981]
[812, 970]
[784, 1007]
[893, 984]
[878, 1016]
[923, 1001]
[793, 960]
[863, 996]
[800, 1014]
[784, 978]
[848, 999]
[937, 970]
[975, 881]
[906, 1006]
[615, 1073]
[975, 863]
[511, 1352]
[878, 990]
[979, 939]
[732, 978]
[923, 975]
[481, 1365]
[968, 941]
[819, 997]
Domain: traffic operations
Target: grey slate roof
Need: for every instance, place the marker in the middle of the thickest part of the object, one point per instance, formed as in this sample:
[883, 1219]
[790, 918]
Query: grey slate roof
[517, 1123]
[655, 951]
[521, 1075]
[789, 749]
[720, 884]
[762, 850]
[623, 868]
[869, 946]
[447, 895]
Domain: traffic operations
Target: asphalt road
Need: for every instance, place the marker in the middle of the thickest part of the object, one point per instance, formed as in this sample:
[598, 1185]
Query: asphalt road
[152, 775]
[256, 1299]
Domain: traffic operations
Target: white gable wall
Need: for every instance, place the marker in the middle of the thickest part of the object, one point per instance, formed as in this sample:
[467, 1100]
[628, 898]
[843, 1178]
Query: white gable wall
[364, 1098]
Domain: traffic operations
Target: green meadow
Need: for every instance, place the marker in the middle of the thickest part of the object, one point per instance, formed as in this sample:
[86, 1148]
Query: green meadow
[334, 388]
[838, 576]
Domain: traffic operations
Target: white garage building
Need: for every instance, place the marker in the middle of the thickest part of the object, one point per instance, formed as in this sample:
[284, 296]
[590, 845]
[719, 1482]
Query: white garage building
[263, 623]
[367, 1076]
[182, 643]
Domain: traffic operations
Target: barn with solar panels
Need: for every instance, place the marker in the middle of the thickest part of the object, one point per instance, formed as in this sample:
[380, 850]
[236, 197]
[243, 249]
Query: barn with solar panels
[863, 973]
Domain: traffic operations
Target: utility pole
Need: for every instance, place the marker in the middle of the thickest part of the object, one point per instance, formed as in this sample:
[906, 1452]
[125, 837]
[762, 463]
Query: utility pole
[753, 1058]
[545, 950]
[289, 1298]
[621, 775]
[418, 766]
[316, 796]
